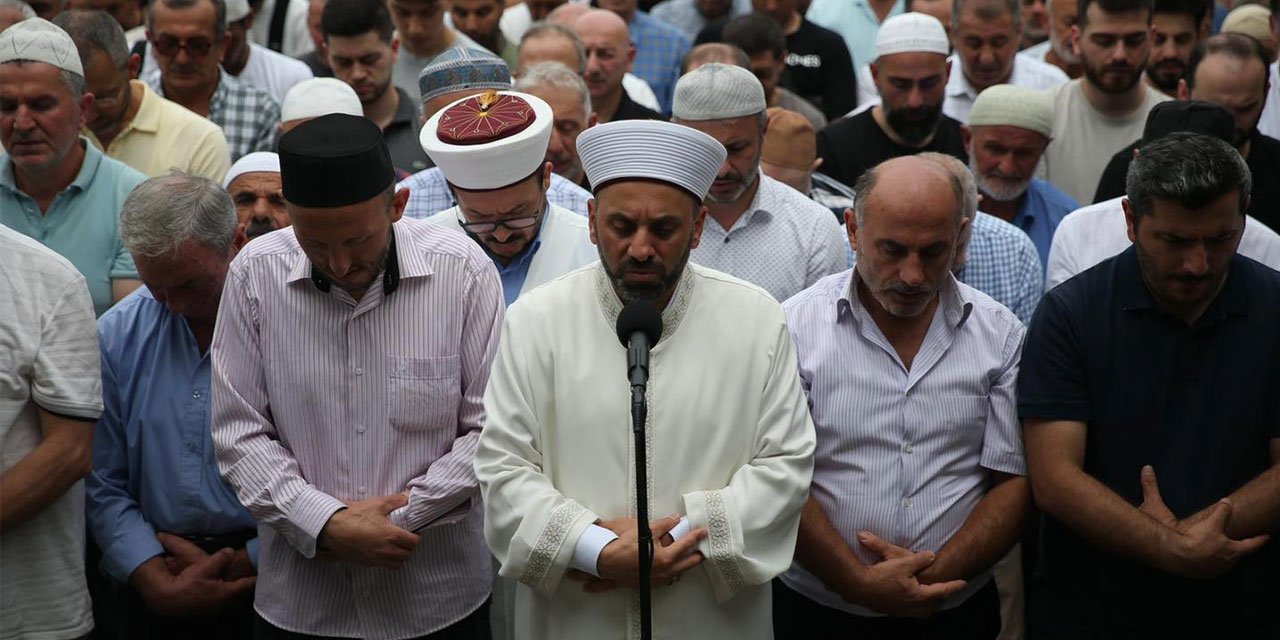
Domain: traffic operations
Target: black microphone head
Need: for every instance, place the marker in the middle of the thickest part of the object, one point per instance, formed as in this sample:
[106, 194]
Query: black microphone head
[642, 316]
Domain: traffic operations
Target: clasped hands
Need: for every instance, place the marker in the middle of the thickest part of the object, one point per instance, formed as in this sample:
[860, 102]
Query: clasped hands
[619, 561]
[903, 583]
[363, 534]
[186, 581]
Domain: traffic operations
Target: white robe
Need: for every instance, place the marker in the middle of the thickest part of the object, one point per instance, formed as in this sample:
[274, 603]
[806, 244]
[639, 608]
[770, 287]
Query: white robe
[730, 446]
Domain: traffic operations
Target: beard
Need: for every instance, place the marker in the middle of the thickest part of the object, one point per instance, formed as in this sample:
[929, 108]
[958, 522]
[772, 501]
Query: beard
[1166, 73]
[259, 227]
[1097, 75]
[916, 124]
[744, 183]
[999, 188]
[923, 294]
[654, 291]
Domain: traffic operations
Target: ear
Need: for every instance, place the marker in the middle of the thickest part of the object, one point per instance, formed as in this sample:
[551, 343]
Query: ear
[875, 73]
[398, 203]
[1129, 224]
[851, 227]
[591, 221]
[239, 238]
[631, 57]
[86, 101]
[395, 47]
[817, 162]
[592, 120]
[221, 45]
[546, 176]
[966, 137]
[698, 219]
[1075, 39]
[135, 66]
[946, 75]
[1183, 92]
[248, 21]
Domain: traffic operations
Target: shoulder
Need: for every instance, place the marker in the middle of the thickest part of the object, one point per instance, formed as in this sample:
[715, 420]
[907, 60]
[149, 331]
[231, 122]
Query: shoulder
[1088, 217]
[563, 186]
[1264, 281]
[25, 254]
[1059, 202]
[177, 116]
[655, 28]
[553, 298]
[1260, 243]
[566, 219]
[819, 295]
[847, 126]
[278, 248]
[1039, 74]
[137, 309]
[249, 96]
[281, 62]
[118, 174]
[1002, 240]
[442, 248]
[782, 200]
[988, 317]
[730, 294]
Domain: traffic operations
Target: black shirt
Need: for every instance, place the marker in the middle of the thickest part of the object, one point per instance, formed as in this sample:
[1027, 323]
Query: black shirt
[629, 109]
[1263, 161]
[1199, 403]
[850, 146]
[318, 69]
[401, 135]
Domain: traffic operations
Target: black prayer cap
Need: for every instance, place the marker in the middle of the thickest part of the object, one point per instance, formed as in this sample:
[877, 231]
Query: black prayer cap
[334, 161]
[1194, 116]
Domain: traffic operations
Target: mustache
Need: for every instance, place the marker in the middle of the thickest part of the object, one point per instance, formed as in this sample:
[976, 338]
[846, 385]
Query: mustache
[257, 228]
[898, 286]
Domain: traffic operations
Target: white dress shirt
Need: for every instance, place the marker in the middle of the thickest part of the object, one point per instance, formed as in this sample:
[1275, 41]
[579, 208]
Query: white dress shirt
[273, 72]
[1027, 72]
[1269, 121]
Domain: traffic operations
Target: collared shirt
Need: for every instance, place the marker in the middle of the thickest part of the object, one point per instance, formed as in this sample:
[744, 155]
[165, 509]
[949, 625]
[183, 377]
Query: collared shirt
[855, 21]
[429, 194]
[514, 272]
[783, 242]
[164, 135]
[660, 48]
[401, 135]
[273, 72]
[1269, 119]
[1027, 72]
[904, 453]
[319, 399]
[684, 15]
[153, 465]
[82, 223]
[248, 116]
[1043, 207]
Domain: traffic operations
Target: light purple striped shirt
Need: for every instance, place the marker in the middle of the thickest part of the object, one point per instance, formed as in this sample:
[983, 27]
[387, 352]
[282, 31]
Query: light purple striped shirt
[903, 453]
[318, 399]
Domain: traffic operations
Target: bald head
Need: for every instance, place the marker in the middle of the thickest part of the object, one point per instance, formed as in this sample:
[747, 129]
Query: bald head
[910, 184]
[608, 50]
[568, 13]
[714, 52]
[601, 23]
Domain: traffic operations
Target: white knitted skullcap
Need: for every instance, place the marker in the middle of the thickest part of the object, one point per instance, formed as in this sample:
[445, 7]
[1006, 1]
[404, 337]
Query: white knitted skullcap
[237, 10]
[912, 32]
[39, 40]
[320, 97]
[256, 162]
[652, 149]
[1005, 104]
[717, 91]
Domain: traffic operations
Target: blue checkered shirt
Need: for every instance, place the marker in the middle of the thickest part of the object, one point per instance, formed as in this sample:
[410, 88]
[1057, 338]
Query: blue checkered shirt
[429, 194]
[660, 48]
[249, 117]
[684, 15]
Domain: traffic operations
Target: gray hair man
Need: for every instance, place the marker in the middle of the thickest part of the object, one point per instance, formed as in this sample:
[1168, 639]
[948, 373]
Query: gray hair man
[570, 104]
[760, 230]
[1057, 50]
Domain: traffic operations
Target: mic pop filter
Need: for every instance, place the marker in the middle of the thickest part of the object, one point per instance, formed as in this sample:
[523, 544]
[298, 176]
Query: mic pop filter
[641, 316]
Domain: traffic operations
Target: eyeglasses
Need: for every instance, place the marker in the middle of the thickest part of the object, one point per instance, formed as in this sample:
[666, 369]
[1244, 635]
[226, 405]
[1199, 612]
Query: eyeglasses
[513, 224]
[167, 45]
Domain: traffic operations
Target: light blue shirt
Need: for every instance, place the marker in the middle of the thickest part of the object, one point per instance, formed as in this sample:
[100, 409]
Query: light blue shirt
[513, 273]
[1039, 214]
[82, 223]
[153, 458]
[855, 21]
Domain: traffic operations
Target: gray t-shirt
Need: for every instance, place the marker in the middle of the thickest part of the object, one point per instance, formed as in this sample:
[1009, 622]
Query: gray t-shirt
[408, 66]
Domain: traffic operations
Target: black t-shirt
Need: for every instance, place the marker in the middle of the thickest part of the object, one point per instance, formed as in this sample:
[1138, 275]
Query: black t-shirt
[629, 109]
[850, 146]
[1199, 403]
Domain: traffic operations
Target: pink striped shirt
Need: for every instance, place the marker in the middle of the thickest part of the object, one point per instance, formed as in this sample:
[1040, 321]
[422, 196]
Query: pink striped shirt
[318, 399]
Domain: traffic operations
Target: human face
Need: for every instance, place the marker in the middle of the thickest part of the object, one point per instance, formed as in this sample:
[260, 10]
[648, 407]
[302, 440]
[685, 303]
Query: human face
[364, 62]
[1035, 18]
[420, 23]
[1003, 159]
[912, 87]
[349, 244]
[986, 47]
[609, 56]
[768, 69]
[10, 16]
[1184, 254]
[478, 19]
[522, 200]
[780, 10]
[644, 231]
[1062, 19]
[1238, 85]
[1175, 37]
[259, 204]
[713, 9]
[566, 109]
[743, 138]
[40, 120]
[186, 45]
[189, 280]
[547, 49]
[111, 92]
[1113, 48]
[540, 8]
[127, 12]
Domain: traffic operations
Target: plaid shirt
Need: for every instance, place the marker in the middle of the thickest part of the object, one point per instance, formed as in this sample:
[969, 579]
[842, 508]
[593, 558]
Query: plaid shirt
[660, 48]
[248, 116]
[429, 194]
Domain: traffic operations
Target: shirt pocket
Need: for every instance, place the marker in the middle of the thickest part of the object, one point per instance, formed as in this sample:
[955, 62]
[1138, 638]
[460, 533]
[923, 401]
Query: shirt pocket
[424, 392]
[965, 418]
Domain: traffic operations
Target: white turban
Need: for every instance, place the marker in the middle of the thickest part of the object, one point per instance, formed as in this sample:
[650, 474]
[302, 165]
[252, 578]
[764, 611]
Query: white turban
[256, 162]
[481, 148]
[717, 91]
[651, 149]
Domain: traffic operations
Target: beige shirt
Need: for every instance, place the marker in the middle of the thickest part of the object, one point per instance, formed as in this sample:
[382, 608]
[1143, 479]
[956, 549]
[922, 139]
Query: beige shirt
[165, 135]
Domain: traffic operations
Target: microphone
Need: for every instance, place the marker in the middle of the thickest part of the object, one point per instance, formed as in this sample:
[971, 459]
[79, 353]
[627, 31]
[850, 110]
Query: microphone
[639, 328]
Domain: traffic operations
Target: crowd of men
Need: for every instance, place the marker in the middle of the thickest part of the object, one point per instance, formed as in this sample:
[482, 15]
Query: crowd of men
[968, 316]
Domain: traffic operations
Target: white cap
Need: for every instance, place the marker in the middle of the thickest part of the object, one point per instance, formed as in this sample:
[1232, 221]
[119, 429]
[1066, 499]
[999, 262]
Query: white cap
[237, 10]
[256, 162]
[651, 149]
[910, 33]
[717, 91]
[39, 40]
[479, 145]
[1007, 105]
[320, 97]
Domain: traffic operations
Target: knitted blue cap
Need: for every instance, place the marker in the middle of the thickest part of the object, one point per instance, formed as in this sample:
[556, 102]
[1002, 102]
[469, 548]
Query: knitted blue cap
[463, 69]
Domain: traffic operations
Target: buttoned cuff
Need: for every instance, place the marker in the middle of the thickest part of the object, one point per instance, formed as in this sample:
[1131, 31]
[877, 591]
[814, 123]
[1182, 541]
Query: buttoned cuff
[586, 554]
[129, 550]
[308, 514]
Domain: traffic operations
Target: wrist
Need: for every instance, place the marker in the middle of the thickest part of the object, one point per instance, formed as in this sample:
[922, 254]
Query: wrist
[854, 583]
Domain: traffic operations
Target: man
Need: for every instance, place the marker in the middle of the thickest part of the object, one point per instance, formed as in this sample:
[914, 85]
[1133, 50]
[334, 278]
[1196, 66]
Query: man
[692, 16]
[761, 39]
[553, 457]
[556, 42]
[1228, 70]
[189, 38]
[1148, 400]
[478, 19]
[1035, 29]
[359, 459]
[789, 154]
[48, 9]
[362, 53]
[1097, 232]
[175, 541]
[1253, 20]
[872, 554]
[567, 15]
[317, 97]
[910, 71]
[423, 35]
[857, 22]
[457, 74]
[318, 59]
[659, 48]
[52, 394]
[129, 14]
[14, 11]
[819, 68]
[127, 119]
[1058, 49]
[1008, 132]
[866, 85]
[985, 36]
[1178, 25]
[254, 64]
[1269, 123]
[55, 186]
[610, 55]
[254, 185]
[1094, 115]
[283, 27]
[759, 229]
[570, 103]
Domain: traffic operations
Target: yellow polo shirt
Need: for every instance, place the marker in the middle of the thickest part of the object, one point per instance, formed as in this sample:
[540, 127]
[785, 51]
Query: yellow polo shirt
[165, 135]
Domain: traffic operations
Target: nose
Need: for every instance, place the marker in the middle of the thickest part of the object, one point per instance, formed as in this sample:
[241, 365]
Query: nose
[725, 169]
[556, 146]
[915, 97]
[1007, 167]
[911, 272]
[339, 263]
[23, 119]
[641, 247]
[1196, 261]
[261, 210]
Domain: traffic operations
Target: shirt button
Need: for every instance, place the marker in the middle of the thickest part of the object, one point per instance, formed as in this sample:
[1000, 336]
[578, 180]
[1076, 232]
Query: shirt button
[359, 428]
[906, 503]
[362, 490]
[909, 449]
[195, 394]
[359, 371]
[192, 448]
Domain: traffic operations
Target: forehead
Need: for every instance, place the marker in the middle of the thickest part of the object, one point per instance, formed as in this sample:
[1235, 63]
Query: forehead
[915, 64]
[1008, 136]
[994, 17]
[1226, 73]
[367, 42]
[1119, 24]
[1168, 22]
[201, 15]
[643, 199]
[32, 79]
[334, 223]
[472, 5]
[912, 200]
[549, 47]
[1172, 217]
[598, 31]
[255, 181]
[727, 129]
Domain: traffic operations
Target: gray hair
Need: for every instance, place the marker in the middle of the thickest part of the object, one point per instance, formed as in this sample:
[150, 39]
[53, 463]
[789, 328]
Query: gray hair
[19, 6]
[1190, 169]
[555, 74]
[968, 196]
[986, 11]
[219, 9]
[543, 28]
[95, 30]
[961, 180]
[164, 212]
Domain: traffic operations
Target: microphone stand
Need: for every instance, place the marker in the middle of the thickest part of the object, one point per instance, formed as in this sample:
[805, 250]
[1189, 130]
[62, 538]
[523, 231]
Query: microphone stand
[639, 412]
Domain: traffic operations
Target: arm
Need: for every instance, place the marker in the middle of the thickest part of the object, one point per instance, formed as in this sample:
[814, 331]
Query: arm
[822, 550]
[830, 160]
[1255, 507]
[63, 457]
[989, 532]
[121, 287]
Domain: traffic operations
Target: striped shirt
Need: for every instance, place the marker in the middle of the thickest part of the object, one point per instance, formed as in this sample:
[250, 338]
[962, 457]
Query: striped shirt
[318, 399]
[429, 194]
[904, 453]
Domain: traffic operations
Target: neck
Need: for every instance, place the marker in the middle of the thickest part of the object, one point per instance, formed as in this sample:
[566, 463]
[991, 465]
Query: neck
[1245, 148]
[607, 105]
[107, 135]
[726, 215]
[198, 99]
[906, 334]
[382, 110]
[44, 184]
[202, 331]
[235, 61]
[774, 97]
[1186, 313]
[627, 16]
[793, 24]
[1006, 210]
[437, 46]
[877, 112]
[882, 8]
[1114, 104]
[1073, 70]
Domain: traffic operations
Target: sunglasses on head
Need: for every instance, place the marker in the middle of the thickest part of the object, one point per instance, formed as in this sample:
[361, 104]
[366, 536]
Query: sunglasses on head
[167, 45]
